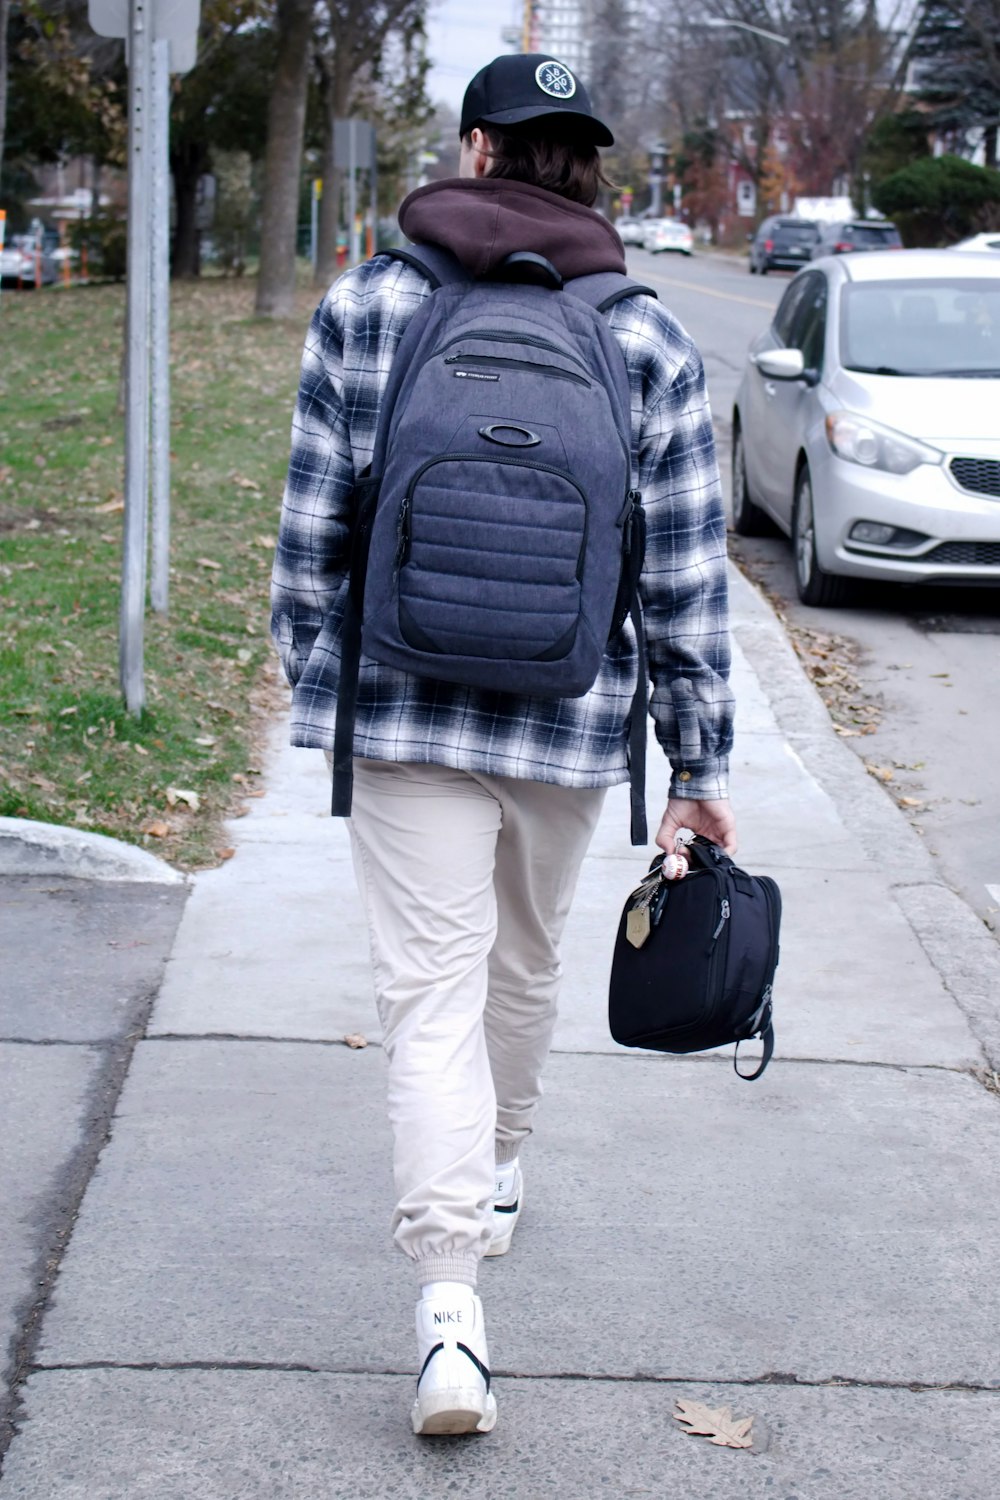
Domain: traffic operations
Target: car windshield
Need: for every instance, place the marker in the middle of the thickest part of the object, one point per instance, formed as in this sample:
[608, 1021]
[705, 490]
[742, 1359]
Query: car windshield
[940, 328]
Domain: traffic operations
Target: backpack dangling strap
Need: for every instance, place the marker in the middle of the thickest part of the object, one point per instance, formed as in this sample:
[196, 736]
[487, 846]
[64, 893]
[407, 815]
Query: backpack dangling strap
[638, 714]
[366, 496]
[438, 264]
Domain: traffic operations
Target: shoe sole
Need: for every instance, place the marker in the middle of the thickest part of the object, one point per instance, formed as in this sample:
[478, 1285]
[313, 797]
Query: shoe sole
[451, 1413]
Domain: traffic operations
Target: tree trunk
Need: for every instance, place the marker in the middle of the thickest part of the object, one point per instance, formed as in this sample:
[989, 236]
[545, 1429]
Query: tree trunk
[990, 146]
[4, 17]
[187, 167]
[283, 161]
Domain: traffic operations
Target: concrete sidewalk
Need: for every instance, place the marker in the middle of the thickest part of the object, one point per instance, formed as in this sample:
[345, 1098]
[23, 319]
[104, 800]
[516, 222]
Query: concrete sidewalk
[817, 1249]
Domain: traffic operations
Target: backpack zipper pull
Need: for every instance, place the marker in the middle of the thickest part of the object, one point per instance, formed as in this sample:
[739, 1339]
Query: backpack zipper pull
[403, 534]
[724, 918]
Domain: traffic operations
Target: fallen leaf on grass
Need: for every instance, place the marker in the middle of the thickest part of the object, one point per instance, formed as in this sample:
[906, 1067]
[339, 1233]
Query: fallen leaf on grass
[717, 1424]
[177, 794]
[246, 484]
[207, 562]
[64, 713]
[157, 829]
[109, 505]
[265, 541]
[355, 1040]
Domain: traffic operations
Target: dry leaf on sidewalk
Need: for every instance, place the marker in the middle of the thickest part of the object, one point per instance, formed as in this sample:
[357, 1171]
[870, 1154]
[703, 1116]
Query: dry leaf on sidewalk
[715, 1423]
[355, 1040]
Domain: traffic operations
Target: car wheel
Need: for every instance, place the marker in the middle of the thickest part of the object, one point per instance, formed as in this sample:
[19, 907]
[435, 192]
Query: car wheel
[748, 519]
[763, 268]
[821, 590]
[753, 268]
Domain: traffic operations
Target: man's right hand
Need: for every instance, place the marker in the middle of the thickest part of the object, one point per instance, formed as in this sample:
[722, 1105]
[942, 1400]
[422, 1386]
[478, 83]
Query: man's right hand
[714, 820]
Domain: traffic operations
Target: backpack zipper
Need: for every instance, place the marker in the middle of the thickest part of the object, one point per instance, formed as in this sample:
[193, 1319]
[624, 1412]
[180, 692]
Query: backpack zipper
[723, 919]
[517, 364]
[496, 336]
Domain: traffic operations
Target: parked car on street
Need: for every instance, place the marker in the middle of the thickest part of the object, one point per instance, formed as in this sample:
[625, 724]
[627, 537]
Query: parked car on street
[668, 234]
[856, 234]
[865, 423]
[630, 231]
[21, 265]
[782, 244]
[977, 242]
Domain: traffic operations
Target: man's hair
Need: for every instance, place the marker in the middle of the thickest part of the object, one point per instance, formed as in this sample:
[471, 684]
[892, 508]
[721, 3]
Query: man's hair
[546, 159]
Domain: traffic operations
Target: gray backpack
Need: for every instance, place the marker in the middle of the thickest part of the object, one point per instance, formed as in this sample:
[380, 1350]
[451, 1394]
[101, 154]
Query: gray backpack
[498, 536]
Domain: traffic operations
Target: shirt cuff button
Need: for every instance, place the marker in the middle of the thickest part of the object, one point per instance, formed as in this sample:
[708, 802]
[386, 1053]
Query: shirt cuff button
[684, 776]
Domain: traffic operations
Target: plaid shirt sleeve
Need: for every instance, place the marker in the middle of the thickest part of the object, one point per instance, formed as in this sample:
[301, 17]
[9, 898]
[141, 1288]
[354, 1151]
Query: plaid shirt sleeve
[348, 353]
[683, 586]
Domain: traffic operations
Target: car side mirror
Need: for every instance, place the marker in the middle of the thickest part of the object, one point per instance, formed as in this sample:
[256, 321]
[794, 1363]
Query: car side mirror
[780, 364]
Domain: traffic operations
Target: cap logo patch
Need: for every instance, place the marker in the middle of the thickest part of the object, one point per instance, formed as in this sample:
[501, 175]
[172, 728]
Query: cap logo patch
[555, 80]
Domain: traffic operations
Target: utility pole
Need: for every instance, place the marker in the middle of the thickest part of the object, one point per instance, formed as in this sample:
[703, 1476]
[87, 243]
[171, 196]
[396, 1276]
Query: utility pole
[159, 592]
[133, 595]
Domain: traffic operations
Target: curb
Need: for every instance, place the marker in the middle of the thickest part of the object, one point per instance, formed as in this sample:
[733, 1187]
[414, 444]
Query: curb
[30, 848]
[963, 954]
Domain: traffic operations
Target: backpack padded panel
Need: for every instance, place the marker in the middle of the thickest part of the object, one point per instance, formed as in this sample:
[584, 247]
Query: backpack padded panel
[504, 461]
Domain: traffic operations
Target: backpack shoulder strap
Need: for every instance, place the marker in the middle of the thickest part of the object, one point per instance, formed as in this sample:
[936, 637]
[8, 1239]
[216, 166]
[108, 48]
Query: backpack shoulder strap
[603, 289]
[438, 264]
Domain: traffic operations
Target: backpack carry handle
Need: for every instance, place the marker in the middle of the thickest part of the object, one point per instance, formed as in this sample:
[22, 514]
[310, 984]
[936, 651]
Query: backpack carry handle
[526, 268]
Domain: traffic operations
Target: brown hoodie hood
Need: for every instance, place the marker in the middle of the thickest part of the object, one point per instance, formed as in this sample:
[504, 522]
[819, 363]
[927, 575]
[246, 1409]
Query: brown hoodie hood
[482, 220]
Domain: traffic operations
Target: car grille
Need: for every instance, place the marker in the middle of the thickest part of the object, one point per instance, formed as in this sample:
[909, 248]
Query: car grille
[965, 554]
[980, 475]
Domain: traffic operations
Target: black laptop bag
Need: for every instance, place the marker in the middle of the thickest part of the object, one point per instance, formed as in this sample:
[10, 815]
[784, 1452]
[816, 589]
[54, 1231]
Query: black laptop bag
[694, 960]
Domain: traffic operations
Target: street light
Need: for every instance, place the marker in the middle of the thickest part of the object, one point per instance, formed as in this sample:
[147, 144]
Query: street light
[772, 36]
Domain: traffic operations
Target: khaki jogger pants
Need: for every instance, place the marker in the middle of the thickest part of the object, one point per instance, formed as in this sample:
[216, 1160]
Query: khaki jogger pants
[467, 881]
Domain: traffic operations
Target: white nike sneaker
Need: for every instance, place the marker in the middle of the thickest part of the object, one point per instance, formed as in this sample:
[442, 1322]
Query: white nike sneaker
[453, 1388]
[507, 1205]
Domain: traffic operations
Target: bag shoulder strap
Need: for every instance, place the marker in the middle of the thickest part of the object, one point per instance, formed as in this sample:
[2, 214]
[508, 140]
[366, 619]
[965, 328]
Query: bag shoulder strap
[439, 265]
[602, 289]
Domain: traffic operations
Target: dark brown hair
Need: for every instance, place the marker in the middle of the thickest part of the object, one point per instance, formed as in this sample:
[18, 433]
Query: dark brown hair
[546, 159]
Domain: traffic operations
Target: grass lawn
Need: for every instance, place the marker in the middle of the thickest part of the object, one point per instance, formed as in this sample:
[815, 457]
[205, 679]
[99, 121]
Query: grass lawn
[69, 752]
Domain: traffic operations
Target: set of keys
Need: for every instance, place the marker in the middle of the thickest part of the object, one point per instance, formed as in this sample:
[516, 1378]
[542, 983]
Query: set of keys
[639, 918]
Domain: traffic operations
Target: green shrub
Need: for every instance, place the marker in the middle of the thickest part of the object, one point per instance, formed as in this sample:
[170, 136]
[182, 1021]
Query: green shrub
[940, 199]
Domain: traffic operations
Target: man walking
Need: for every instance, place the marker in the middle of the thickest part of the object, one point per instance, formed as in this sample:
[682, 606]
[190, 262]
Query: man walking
[473, 808]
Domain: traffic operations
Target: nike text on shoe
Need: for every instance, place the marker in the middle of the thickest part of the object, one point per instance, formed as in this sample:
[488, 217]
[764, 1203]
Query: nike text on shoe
[453, 1388]
[507, 1207]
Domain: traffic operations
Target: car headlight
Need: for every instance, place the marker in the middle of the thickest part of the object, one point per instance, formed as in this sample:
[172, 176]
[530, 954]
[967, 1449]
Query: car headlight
[876, 447]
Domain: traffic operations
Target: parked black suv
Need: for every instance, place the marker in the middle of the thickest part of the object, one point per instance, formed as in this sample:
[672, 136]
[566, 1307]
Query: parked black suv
[782, 243]
[857, 234]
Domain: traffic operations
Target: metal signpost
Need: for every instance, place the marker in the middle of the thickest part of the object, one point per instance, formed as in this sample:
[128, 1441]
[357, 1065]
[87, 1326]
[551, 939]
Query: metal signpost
[161, 36]
[354, 152]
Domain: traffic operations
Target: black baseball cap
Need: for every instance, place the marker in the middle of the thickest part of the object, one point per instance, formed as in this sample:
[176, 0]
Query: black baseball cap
[525, 86]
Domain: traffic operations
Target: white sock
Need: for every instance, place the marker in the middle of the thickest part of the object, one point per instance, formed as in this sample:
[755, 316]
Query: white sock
[451, 1291]
[506, 1180]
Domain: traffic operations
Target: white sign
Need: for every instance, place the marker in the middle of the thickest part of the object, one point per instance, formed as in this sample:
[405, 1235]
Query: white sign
[174, 21]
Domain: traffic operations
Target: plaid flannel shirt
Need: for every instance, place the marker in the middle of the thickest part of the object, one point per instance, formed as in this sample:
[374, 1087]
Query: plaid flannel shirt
[571, 741]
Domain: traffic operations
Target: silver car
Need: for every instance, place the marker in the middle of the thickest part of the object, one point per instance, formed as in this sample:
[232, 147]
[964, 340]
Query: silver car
[867, 422]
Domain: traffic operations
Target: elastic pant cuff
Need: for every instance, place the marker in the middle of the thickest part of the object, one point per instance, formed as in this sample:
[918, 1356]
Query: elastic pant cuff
[462, 1268]
[506, 1151]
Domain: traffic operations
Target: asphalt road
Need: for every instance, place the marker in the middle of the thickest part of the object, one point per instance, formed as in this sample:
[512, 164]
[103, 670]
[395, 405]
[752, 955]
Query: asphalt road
[929, 657]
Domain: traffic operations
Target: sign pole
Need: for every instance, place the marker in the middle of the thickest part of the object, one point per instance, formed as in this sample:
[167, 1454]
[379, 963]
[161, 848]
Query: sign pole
[352, 191]
[130, 652]
[160, 340]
